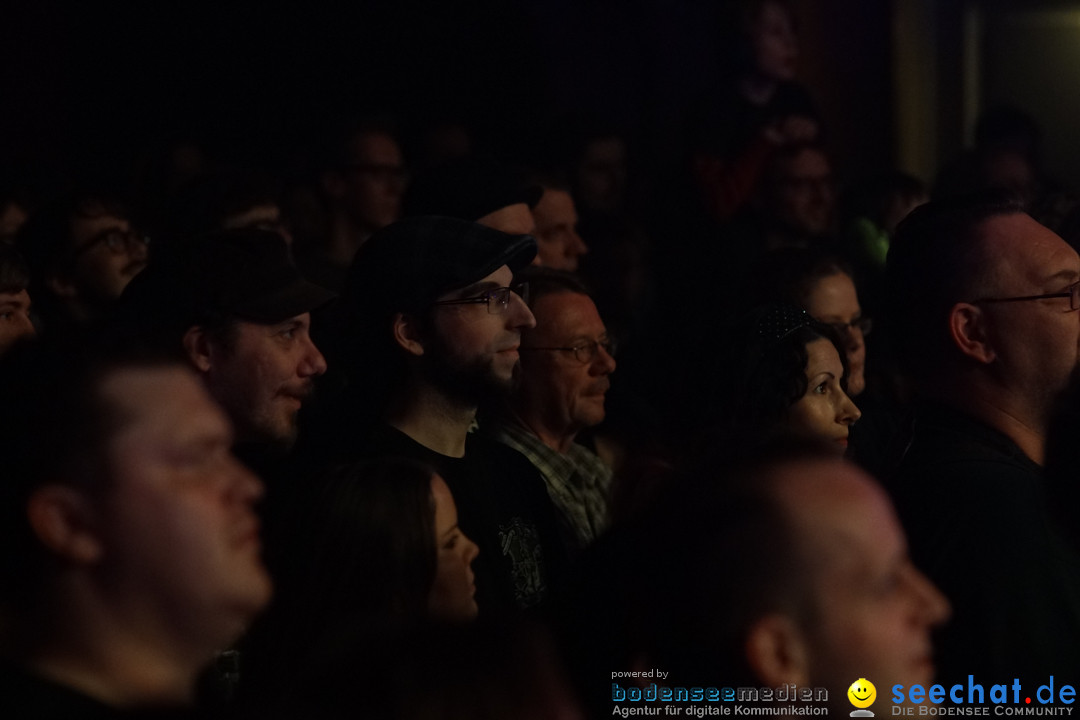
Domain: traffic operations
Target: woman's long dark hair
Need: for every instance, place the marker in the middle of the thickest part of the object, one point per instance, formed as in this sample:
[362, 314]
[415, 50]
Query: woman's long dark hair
[365, 561]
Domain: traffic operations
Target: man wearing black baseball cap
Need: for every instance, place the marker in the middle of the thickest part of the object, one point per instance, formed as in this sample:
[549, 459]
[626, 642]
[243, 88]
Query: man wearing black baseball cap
[434, 319]
[234, 303]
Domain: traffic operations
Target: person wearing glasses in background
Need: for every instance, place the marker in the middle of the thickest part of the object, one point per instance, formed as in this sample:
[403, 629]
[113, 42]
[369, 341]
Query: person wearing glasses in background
[434, 321]
[566, 361]
[362, 180]
[983, 301]
[82, 251]
[822, 284]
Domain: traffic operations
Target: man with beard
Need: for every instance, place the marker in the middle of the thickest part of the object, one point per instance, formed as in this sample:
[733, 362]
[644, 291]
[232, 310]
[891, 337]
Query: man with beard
[234, 304]
[435, 321]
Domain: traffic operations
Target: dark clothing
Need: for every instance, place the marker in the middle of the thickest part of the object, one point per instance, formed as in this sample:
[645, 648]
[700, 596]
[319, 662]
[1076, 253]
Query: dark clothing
[27, 696]
[503, 507]
[974, 508]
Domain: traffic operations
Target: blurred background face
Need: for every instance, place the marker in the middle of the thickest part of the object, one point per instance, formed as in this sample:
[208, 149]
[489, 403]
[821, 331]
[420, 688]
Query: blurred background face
[14, 318]
[452, 593]
[601, 175]
[108, 254]
[803, 198]
[832, 300]
[774, 43]
[558, 244]
[374, 181]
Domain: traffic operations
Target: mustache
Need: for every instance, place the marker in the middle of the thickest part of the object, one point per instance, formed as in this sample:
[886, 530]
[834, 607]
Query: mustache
[300, 392]
[600, 386]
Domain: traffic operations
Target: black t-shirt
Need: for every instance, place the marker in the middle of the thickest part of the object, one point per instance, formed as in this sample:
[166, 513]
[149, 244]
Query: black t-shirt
[974, 508]
[503, 506]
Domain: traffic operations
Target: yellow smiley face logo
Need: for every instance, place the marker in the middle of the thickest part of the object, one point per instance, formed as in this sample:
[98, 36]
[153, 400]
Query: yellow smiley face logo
[862, 693]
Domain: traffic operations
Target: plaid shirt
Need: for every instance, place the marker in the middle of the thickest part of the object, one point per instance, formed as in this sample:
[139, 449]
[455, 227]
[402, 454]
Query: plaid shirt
[577, 481]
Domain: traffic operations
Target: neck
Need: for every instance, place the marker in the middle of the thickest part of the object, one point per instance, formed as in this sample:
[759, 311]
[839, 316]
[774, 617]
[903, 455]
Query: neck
[345, 239]
[108, 653]
[998, 409]
[431, 418]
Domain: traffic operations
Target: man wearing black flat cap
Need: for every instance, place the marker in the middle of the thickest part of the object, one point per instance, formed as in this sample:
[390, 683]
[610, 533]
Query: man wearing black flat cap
[237, 307]
[435, 321]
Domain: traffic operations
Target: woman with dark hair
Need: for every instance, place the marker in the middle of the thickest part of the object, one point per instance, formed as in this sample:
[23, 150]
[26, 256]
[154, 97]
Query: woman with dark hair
[381, 550]
[786, 372]
[388, 546]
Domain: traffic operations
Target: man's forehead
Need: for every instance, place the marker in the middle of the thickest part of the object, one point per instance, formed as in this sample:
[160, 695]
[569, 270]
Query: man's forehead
[566, 312]
[86, 225]
[1017, 244]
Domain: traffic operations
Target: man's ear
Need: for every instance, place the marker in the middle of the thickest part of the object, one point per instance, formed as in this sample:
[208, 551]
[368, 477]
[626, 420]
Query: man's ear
[197, 346]
[63, 520]
[406, 328]
[777, 652]
[969, 332]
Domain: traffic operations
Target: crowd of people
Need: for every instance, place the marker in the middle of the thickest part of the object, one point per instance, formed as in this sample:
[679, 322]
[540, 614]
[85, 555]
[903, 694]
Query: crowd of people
[437, 434]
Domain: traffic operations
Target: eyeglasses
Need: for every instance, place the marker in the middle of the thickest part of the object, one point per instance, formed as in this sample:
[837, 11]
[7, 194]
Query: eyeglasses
[1072, 292]
[863, 325]
[497, 300]
[117, 241]
[584, 352]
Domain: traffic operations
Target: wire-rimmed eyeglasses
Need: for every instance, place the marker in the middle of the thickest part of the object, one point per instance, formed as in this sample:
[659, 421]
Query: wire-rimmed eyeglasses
[497, 300]
[1072, 292]
[584, 352]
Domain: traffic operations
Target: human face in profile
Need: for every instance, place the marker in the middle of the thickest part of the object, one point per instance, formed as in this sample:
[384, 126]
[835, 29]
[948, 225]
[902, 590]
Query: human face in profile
[473, 353]
[453, 592]
[179, 531]
[263, 376]
[832, 300]
[874, 611]
[824, 411]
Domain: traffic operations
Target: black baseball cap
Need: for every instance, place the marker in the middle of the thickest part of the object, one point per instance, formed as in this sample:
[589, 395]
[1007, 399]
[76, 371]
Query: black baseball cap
[245, 273]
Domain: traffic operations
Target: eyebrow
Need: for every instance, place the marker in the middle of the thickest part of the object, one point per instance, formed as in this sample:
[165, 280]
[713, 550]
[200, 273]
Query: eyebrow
[1063, 275]
[474, 289]
[453, 528]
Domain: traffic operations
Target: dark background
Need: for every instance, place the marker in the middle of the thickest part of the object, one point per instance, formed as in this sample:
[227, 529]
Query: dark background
[101, 83]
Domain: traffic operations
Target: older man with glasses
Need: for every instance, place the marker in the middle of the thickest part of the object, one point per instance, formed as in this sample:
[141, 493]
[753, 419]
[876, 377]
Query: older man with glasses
[983, 303]
[566, 361]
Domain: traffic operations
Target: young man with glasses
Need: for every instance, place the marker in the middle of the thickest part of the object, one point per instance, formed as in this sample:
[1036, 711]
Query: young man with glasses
[82, 251]
[435, 321]
[983, 302]
[566, 361]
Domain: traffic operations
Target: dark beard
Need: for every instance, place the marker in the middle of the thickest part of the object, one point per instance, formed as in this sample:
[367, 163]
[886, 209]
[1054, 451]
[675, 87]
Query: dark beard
[471, 382]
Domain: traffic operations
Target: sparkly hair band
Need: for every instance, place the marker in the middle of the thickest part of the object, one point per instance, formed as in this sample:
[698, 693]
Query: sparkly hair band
[776, 322]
